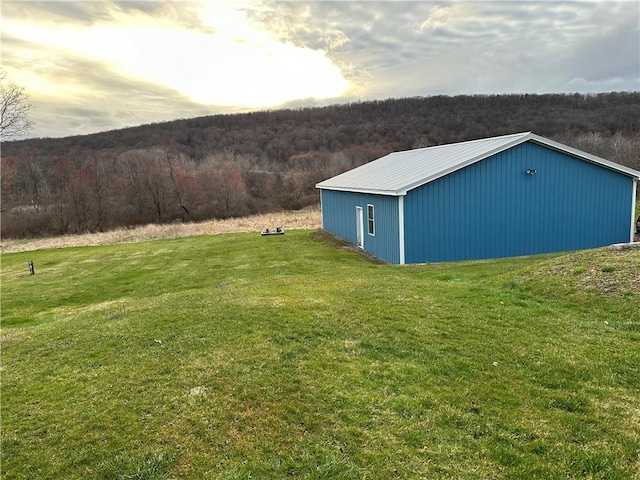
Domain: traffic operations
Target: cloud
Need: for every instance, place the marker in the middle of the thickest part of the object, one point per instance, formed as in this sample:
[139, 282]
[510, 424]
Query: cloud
[423, 48]
[609, 51]
[242, 68]
[136, 62]
[98, 99]
[204, 54]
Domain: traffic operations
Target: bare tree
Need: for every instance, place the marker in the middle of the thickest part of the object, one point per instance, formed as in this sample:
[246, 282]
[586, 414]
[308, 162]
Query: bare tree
[14, 109]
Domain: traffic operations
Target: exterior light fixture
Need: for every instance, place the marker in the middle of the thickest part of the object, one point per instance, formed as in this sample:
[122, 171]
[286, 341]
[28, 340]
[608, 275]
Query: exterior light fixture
[531, 171]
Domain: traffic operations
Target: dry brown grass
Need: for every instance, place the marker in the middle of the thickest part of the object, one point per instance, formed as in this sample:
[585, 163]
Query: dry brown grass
[293, 220]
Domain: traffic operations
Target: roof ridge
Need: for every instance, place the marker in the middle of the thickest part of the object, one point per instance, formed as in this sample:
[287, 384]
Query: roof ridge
[477, 140]
[398, 172]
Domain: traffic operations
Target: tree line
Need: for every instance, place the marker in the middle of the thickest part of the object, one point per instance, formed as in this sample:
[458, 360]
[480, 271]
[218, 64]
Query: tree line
[233, 165]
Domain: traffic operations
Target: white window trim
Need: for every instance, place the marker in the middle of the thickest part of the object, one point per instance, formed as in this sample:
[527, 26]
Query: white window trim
[359, 227]
[371, 221]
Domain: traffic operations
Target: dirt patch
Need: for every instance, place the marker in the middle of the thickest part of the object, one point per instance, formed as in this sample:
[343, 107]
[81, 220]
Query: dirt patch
[291, 220]
[335, 242]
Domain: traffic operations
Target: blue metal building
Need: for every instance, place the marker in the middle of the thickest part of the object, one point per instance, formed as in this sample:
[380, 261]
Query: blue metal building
[505, 196]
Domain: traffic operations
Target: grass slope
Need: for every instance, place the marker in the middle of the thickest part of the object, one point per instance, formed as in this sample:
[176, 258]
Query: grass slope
[238, 356]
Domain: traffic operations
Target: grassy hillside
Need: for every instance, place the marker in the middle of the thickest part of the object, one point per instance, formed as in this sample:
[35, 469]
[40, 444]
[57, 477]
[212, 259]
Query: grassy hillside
[237, 356]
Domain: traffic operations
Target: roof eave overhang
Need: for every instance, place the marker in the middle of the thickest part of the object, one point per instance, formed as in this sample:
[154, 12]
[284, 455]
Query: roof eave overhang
[536, 139]
[392, 193]
[517, 141]
[423, 181]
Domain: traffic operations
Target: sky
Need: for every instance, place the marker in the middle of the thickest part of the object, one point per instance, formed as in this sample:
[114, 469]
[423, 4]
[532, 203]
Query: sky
[93, 66]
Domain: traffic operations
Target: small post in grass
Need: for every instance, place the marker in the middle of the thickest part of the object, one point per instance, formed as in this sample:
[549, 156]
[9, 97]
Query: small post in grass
[32, 270]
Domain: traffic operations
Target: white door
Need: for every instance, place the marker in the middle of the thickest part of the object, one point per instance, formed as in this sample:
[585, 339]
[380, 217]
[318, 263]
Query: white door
[359, 227]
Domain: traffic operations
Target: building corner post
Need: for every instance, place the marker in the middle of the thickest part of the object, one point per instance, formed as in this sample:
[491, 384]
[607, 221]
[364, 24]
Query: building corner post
[321, 212]
[401, 228]
[633, 209]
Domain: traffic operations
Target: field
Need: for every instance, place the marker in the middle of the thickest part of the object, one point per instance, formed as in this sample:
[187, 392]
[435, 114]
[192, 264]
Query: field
[238, 356]
[299, 219]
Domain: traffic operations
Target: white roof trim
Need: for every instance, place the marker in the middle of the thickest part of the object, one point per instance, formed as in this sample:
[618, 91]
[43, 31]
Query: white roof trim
[462, 165]
[473, 150]
[585, 156]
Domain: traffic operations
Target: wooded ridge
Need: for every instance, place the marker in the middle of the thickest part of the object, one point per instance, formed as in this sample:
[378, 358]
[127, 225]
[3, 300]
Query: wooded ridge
[225, 166]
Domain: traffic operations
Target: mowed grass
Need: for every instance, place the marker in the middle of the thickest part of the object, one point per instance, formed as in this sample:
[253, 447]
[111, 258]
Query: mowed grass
[237, 356]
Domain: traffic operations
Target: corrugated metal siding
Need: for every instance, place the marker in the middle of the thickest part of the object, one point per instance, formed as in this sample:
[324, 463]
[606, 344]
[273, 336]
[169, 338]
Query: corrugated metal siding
[494, 209]
[339, 218]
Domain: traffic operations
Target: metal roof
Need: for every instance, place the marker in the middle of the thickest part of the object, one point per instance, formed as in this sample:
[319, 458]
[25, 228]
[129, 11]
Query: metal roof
[397, 173]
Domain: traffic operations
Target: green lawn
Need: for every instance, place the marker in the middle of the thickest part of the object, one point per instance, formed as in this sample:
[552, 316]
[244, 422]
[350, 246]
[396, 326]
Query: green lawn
[238, 356]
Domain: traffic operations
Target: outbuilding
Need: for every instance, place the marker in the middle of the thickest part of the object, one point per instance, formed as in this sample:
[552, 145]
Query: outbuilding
[504, 196]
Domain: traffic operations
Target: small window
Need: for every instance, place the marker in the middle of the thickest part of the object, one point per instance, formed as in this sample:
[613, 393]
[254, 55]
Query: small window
[370, 220]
